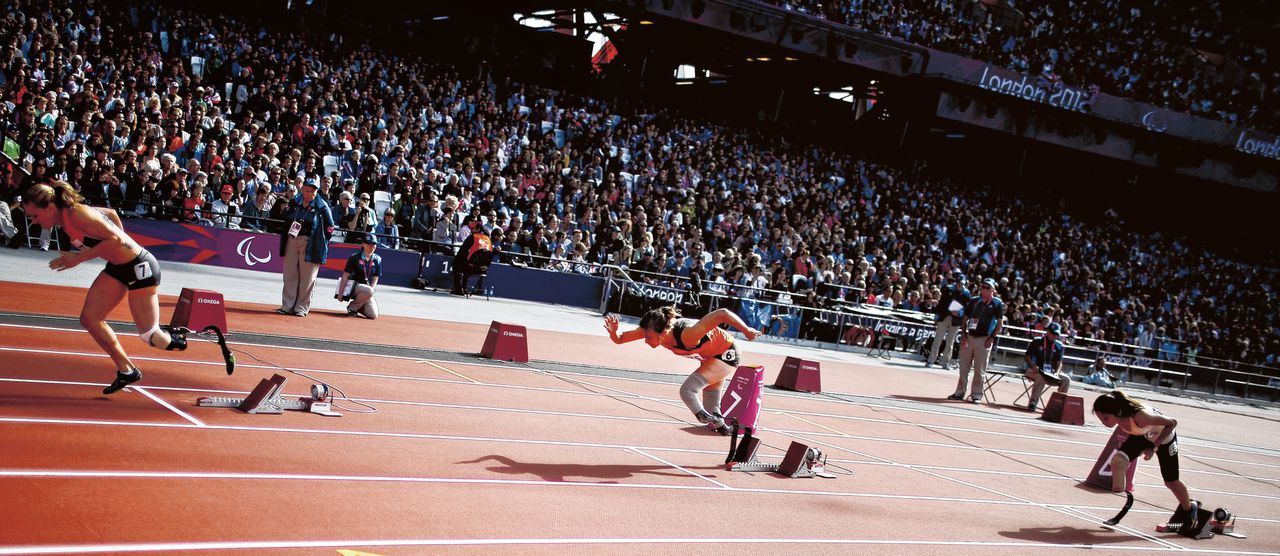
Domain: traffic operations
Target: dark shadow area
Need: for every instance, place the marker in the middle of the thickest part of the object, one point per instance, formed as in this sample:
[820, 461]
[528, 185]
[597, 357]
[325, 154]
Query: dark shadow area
[47, 401]
[1069, 535]
[561, 472]
[702, 431]
[932, 399]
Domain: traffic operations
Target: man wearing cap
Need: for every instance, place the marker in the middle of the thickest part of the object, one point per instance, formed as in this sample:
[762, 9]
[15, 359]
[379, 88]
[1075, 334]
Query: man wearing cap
[359, 278]
[304, 244]
[225, 209]
[718, 284]
[982, 321]
[949, 312]
[1044, 364]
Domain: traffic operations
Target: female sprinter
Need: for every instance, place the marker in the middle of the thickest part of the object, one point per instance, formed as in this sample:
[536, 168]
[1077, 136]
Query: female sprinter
[703, 340]
[131, 271]
[1150, 432]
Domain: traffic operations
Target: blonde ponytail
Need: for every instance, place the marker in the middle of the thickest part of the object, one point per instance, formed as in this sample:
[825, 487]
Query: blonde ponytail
[59, 194]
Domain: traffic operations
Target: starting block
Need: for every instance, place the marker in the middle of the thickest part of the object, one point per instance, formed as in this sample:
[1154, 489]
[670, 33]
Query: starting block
[799, 374]
[1179, 523]
[507, 342]
[741, 403]
[1100, 476]
[742, 456]
[200, 309]
[266, 398]
[1064, 408]
[802, 461]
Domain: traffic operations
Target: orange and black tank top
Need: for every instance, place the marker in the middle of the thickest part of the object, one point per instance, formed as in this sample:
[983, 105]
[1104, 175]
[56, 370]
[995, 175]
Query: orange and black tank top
[714, 343]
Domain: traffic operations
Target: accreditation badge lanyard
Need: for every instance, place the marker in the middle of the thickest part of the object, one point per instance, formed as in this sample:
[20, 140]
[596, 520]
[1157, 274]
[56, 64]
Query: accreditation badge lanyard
[296, 227]
[985, 311]
[368, 269]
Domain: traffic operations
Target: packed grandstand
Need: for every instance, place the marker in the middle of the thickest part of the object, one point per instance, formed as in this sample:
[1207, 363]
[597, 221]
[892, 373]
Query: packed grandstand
[1207, 58]
[154, 109]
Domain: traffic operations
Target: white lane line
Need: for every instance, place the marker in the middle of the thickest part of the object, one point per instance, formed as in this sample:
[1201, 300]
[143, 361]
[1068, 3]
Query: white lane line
[289, 348]
[665, 462]
[166, 405]
[274, 368]
[639, 542]
[187, 476]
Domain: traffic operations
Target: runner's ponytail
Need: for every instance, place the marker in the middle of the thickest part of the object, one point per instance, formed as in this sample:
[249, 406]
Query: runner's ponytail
[1116, 403]
[660, 319]
[60, 194]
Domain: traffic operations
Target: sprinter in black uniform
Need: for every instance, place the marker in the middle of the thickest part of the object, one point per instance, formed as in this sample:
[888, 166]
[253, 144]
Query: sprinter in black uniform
[131, 271]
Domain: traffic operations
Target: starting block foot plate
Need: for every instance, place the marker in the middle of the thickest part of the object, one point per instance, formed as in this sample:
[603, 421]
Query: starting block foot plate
[266, 398]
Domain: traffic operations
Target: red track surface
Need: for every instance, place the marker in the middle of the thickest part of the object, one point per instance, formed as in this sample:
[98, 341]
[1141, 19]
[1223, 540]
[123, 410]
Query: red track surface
[468, 457]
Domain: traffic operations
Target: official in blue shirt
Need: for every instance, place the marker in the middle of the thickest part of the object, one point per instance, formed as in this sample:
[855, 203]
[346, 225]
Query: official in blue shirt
[948, 321]
[1044, 364]
[983, 320]
[359, 278]
[305, 247]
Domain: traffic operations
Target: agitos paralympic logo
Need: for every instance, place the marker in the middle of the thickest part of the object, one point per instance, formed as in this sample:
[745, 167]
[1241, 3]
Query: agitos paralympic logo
[244, 249]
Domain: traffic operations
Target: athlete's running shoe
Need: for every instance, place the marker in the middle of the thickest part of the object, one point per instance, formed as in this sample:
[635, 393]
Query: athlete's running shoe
[122, 380]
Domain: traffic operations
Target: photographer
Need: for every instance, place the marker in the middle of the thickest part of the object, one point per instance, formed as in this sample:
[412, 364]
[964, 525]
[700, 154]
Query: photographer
[387, 230]
[359, 219]
[281, 211]
[359, 278]
[445, 235]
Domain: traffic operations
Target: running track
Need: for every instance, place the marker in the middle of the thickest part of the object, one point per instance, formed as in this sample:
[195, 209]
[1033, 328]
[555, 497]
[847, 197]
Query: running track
[465, 456]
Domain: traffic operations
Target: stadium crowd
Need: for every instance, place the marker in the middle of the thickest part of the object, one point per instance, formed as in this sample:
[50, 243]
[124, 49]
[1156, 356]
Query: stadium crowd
[1186, 56]
[112, 103]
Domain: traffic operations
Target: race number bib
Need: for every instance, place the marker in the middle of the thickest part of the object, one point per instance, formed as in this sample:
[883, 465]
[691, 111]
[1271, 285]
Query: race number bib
[295, 228]
[142, 271]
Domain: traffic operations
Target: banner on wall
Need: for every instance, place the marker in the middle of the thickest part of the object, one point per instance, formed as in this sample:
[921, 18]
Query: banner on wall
[1084, 99]
[191, 243]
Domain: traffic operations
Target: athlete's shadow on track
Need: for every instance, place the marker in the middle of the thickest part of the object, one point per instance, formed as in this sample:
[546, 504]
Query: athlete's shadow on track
[561, 472]
[9, 400]
[1069, 535]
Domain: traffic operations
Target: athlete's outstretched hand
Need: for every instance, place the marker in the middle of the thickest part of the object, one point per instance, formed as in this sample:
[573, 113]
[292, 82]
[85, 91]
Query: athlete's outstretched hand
[751, 333]
[65, 262]
[611, 324]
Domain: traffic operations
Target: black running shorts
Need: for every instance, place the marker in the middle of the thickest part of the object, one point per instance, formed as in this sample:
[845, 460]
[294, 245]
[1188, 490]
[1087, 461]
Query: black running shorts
[141, 272]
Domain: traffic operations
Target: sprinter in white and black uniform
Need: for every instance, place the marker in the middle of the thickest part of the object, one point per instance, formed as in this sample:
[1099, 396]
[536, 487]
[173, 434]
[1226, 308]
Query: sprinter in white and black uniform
[131, 271]
[1150, 432]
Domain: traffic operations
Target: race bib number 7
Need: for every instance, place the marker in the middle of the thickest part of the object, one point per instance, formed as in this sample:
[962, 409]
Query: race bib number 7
[142, 271]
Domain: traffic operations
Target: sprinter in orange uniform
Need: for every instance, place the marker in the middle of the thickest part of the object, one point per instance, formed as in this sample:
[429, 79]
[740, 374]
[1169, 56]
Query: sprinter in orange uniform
[701, 339]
